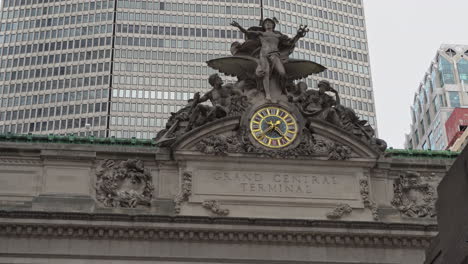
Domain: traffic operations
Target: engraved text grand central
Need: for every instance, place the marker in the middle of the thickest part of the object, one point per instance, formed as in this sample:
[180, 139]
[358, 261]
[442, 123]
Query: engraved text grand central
[272, 182]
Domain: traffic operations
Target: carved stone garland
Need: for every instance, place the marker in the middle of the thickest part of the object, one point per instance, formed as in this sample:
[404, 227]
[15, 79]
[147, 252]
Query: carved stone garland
[123, 184]
[339, 211]
[215, 207]
[413, 196]
[310, 145]
[368, 202]
[185, 192]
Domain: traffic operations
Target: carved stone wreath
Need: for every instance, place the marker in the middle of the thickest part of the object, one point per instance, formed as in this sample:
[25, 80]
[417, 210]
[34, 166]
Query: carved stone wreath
[413, 196]
[123, 184]
[310, 145]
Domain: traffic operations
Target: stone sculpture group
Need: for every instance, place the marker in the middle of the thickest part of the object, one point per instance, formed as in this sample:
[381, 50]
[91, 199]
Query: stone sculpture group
[266, 76]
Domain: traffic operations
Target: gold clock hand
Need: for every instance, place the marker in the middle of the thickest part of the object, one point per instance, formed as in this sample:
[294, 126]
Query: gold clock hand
[279, 131]
[265, 131]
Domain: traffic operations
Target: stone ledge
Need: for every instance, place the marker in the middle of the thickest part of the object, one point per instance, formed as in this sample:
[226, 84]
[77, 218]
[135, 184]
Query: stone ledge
[318, 238]
[205, 220]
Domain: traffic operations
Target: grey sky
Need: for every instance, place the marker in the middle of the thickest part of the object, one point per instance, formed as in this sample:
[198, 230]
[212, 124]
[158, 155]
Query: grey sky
[404, 36]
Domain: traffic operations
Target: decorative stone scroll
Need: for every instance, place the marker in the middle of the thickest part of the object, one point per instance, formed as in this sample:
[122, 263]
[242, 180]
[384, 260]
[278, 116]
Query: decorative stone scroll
[123, 184]
[215, 207]
[185, 191]
[414, 196]
[368, 202]
[339, 211]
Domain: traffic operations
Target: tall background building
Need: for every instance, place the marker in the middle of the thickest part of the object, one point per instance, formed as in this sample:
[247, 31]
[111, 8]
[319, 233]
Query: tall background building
[435, 125]
[122, 66]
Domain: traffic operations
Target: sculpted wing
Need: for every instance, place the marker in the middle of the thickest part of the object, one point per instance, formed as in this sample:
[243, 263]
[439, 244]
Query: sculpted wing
[298, 69]
[239, 66]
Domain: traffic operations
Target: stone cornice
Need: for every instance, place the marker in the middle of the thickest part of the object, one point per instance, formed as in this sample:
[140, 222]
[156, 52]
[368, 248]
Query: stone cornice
[142, 218]
[73, 139]
[222, 229]
[91, 140]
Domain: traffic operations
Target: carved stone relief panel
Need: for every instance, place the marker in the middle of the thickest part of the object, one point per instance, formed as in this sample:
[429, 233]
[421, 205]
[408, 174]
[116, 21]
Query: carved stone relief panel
[123, 184]
[415, 195]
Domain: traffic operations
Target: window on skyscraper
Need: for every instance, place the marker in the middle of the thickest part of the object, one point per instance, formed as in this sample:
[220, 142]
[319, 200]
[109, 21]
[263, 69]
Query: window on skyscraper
[454, 98]
[462, 66]
[446, 71]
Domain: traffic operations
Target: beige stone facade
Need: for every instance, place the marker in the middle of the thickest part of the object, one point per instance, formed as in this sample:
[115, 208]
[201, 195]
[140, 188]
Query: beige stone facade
[124, 203]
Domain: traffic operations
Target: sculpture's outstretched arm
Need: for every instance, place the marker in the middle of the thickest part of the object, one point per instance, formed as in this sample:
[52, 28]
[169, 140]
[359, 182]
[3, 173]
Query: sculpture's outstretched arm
[337, 96]
[237, 25]
[205, 97]
[245, 31]
[301, 32]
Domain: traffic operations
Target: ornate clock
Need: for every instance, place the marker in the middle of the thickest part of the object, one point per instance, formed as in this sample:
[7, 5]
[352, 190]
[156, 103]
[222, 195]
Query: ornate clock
[273, 127]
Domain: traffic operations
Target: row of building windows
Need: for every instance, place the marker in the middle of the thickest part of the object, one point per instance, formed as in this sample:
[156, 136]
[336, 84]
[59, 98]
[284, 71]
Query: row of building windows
[55, 58]
[54, 98]
[52, 46]
[202, 8]
[56, 111]
[56, 71]
[159, 30]
[161, 95]
[225, 21]
[329, 4]
[25, 13]
[133, 134]
[205, 44]
[311, 12]
[56, 33]
[125, 107]
[137, 121]
[66, 8]
[192, 83]
[57, 21]
[217, 33]
[202, 70]
[197, 57]
[188, 69]
[318, 25]
[166, 95]
[52, 125]
[22, 87]
[222, 46]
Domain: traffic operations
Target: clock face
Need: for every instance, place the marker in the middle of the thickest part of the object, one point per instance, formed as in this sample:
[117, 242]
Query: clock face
[273, 127]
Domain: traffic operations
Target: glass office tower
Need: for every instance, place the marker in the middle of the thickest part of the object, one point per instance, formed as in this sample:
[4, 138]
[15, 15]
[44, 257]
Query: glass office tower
[119, 68]
[441, 91]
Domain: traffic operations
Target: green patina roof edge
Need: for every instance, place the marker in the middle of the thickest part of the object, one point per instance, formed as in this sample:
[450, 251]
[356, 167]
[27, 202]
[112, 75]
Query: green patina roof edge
[416, 153]
[73, 139]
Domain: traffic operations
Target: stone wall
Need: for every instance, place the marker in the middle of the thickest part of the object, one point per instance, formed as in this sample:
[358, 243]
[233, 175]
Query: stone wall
[95, 203]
